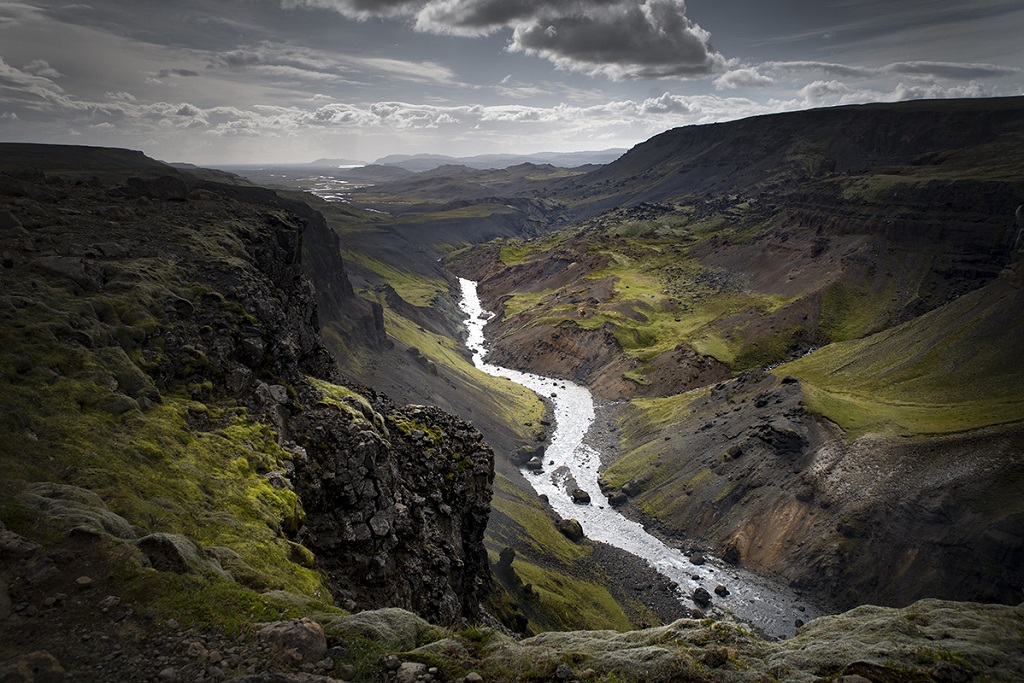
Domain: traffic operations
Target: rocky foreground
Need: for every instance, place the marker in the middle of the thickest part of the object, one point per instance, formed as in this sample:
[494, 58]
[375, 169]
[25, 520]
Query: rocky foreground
[69, 618]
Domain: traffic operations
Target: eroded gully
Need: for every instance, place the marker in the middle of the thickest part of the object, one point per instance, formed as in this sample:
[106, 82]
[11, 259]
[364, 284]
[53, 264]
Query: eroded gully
[757, 600]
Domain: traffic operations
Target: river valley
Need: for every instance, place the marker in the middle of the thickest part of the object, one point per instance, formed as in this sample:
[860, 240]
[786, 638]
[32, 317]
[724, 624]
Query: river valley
[766, 604]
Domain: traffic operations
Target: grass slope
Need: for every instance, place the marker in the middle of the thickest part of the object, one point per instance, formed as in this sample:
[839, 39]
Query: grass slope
[957, 368]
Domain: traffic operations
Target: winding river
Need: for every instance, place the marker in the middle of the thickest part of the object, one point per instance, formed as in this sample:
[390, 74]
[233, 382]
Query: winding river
[754, 599]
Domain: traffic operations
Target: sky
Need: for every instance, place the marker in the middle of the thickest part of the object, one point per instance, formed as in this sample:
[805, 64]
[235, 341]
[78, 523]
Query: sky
[256, 81]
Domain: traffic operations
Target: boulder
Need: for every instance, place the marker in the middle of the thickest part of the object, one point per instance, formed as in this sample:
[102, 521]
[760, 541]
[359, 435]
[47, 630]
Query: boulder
[701, 597]
[31, 667]
[302, 638]
[571, 529]
[618, 498]
[397, 628]
[178, 554]
[721, 591]
[580, 497]
[731, 554]
[77, 506]
[410, 672]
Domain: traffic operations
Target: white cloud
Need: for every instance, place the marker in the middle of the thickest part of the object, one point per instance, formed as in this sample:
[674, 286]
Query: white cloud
[951, 70]
[743, 78]
[424, 72]
[17, 13]
[358, 9]
[290, 62]
[41, 67]
[819, 92]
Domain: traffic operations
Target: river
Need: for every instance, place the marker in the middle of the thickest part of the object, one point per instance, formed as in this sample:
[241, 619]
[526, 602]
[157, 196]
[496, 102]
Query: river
[760, 601]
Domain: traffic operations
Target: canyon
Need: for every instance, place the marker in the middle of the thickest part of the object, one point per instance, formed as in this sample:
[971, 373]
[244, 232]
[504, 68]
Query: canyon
[231, 411]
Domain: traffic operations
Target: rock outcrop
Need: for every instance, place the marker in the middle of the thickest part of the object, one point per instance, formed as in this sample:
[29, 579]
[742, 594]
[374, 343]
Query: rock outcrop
[396, 508]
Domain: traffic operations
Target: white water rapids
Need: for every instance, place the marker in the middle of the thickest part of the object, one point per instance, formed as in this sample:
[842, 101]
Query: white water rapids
[772, 607]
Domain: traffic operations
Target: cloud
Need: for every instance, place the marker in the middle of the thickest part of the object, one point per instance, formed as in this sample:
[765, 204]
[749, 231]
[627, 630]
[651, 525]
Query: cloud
[182, 73]
[358, 9]
[16, 13]
[423, 72]
[158, 77]
[619, 39]
[624, 40]
[513, 89]
[287, 62]
[819, 92]
[743, 78]
[480, 17]
[951, 70]
[917, 91]
[236, 59]
[946, 70]
[40, 67]
[828, 68]
[665, 104]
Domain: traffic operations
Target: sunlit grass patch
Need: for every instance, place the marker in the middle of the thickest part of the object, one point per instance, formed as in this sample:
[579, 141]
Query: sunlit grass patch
[419, 290]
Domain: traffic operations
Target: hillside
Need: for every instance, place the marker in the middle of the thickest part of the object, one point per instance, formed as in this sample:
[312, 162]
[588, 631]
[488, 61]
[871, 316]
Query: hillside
[878, 245]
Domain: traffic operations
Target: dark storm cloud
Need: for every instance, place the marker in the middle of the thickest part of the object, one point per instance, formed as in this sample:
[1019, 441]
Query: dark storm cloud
[617, 38]
[653, 39]
[481, 16]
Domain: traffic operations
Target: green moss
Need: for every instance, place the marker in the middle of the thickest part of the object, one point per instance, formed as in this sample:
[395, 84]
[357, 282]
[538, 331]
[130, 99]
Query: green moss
[208, 601]
[515, 252]
[569, 601]
[409, 426]
[352, 404]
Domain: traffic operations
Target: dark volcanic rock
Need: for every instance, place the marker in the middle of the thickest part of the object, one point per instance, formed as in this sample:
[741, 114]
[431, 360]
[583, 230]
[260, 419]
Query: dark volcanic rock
[580, 497]
[396, 516]
[571, 528]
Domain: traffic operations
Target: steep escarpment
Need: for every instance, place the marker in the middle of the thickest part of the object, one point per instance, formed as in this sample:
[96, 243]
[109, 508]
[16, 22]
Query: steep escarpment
[771, 156]
[163, 368]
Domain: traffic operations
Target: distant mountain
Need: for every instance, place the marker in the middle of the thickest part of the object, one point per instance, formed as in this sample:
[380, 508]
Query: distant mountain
[334, 163]
[427, 162]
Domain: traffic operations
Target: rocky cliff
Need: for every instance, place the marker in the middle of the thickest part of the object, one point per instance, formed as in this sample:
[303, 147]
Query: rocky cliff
[161, 349]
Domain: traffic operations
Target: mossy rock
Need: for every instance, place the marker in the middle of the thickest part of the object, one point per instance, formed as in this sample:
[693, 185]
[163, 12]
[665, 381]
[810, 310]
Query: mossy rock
[399, 629]
[178, 554]
[75, 507]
